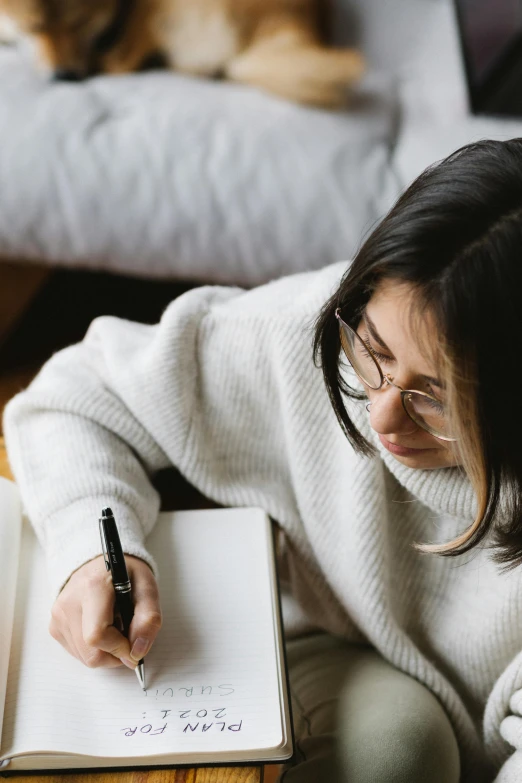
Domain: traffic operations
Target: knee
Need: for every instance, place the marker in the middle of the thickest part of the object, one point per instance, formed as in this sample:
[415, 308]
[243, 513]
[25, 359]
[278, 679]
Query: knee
[400, 746]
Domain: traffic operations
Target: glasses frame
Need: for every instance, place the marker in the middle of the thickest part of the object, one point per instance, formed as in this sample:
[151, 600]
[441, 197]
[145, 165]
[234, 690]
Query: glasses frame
[386, 379]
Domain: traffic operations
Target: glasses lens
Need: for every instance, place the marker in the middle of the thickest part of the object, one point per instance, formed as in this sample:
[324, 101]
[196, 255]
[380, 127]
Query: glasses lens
[428, 413]
[360, 357]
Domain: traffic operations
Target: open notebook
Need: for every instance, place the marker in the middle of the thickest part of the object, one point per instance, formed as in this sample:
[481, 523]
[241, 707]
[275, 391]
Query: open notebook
[216, 679]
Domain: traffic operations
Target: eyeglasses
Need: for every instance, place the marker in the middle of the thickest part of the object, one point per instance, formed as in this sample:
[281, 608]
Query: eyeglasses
[426, 411]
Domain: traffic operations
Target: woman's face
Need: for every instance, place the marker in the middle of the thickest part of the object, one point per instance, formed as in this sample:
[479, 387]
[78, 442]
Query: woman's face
[406, 356]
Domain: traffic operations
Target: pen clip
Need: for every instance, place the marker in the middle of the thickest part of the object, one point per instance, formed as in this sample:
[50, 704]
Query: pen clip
[105, 549]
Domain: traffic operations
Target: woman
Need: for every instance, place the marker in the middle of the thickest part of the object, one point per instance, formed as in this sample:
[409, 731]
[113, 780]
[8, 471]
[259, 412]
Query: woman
[401, 541]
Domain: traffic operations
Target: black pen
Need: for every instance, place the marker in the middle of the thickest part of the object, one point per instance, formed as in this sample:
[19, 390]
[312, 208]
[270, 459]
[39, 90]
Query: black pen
[115, 563]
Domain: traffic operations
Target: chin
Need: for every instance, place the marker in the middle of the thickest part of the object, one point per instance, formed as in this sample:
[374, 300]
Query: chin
[430, 461]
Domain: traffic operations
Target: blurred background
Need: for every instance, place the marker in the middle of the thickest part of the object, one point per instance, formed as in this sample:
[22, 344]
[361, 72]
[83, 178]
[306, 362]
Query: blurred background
[119, 192]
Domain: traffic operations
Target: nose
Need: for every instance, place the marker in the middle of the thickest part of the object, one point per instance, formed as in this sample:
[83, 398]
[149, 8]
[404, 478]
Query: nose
[388, 416]
[67, 75]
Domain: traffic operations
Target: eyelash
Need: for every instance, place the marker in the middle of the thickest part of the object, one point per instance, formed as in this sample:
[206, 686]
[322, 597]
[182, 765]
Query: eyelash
[437, 406]
[387, 360]
[372, 352]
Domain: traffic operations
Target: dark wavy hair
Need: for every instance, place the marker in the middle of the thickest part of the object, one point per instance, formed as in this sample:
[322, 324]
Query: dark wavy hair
[455, 235]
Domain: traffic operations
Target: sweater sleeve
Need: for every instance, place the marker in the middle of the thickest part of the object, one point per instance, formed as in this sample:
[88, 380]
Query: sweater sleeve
[511, 732]
[503, 723]
[511, 770]
[201, 390]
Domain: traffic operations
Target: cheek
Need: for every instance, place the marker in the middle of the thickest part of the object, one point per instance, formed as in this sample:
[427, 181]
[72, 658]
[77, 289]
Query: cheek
[444, 452]
[453, 457]
[446, 455]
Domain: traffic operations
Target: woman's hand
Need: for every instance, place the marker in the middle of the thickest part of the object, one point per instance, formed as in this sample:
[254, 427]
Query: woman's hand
[82, 616]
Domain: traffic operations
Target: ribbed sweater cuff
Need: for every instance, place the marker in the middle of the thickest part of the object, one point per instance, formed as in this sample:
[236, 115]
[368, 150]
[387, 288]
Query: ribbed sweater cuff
[72, 538]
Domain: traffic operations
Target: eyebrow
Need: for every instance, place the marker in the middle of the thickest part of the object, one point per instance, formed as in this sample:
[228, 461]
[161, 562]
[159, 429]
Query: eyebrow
[376, 336]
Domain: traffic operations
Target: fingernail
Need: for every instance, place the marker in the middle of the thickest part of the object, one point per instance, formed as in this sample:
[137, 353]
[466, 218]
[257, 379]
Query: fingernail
[127, 662]
[139, 648]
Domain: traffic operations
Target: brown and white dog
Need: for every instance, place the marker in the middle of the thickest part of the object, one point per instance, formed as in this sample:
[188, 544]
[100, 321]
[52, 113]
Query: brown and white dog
[272, 44]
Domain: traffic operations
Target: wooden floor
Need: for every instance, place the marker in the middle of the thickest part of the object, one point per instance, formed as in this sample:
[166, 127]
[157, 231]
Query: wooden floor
[59, 307]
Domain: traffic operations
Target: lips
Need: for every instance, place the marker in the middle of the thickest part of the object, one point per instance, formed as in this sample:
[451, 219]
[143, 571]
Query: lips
[400, 451]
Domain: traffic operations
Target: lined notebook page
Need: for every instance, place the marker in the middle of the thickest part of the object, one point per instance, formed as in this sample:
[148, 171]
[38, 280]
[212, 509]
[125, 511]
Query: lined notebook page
[212, 675]
[10, 536]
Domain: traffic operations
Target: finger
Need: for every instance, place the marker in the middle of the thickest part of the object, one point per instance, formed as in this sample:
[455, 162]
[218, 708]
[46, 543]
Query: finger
[59, 630]
[147, 618]
[102, 651]
[97, 639]
[65, 642]
[66, 627]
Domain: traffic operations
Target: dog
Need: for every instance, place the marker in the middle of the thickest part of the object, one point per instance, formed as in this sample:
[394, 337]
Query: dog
[274, 45]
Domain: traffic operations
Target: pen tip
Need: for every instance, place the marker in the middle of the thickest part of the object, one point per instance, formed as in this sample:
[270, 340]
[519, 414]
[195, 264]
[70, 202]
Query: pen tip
[107, 512]
[140, 674]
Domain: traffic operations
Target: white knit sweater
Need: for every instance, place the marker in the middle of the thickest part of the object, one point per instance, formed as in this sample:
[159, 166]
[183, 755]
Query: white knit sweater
[225, 389]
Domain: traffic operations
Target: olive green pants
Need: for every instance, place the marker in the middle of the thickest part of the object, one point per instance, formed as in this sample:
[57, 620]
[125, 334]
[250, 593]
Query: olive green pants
[358, 719]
